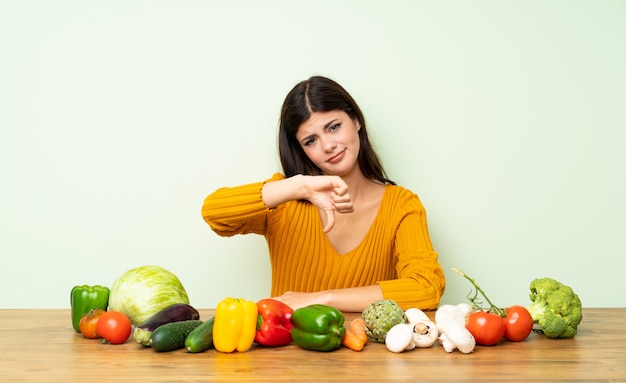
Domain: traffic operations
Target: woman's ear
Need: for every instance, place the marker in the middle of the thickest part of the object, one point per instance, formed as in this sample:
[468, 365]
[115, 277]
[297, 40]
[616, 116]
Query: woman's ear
[357, 124]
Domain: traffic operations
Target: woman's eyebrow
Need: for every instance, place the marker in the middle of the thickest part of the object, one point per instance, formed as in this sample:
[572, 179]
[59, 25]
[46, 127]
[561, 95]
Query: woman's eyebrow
[305, 139]
[326, 126]
[330, 123]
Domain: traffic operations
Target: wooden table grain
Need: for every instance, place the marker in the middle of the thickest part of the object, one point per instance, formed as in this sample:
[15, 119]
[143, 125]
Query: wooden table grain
[40, 345]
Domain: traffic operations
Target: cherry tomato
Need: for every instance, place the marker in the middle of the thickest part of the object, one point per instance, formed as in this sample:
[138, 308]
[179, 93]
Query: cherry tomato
[114, 327]
[487, 328]
[518, 323]
[87, 324]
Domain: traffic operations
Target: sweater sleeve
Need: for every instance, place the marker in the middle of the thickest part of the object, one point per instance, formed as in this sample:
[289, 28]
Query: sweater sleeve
[237, 210]
[421, 281]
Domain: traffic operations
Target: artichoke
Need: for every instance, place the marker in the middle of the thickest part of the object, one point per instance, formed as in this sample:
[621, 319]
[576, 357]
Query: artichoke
[380, 317]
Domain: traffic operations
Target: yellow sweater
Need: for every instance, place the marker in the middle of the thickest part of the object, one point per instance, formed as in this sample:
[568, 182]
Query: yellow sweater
[396, 253]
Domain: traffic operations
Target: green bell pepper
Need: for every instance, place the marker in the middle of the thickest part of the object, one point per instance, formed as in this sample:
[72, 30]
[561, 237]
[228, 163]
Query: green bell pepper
[318, 327]
[85, 298]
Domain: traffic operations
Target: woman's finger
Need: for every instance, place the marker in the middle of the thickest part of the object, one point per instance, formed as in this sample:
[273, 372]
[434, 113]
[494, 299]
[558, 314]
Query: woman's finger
[330, 220]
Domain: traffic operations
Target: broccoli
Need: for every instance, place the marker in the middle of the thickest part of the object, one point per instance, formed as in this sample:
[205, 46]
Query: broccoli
[556, 308]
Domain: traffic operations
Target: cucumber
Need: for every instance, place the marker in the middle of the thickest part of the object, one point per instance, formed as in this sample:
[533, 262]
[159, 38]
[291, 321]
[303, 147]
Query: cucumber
[201, 338]
[171, 336]
[174, 313]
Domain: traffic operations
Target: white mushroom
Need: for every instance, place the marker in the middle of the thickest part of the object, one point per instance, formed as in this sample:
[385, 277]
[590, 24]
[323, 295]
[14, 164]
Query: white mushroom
[420, 331]
[466, 309]
[414, 315]
[452, 332]
[425, 333]
[400, 338]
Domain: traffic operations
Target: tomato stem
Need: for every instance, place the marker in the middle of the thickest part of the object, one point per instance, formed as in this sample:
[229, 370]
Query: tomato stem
[493, 308]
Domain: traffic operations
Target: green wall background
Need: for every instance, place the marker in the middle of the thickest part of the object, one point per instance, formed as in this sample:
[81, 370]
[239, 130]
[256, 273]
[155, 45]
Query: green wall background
[507, 118]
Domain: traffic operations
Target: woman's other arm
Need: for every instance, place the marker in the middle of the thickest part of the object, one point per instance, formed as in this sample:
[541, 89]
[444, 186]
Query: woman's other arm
[329, 193]
[353, 299]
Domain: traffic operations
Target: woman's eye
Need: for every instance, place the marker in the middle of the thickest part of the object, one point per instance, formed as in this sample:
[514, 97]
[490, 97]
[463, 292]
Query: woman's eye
[335, 127]
[309, 142]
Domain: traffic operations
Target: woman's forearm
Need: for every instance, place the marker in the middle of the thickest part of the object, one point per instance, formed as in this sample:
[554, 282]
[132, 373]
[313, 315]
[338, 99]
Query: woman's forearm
[288, 189]
[354, 299]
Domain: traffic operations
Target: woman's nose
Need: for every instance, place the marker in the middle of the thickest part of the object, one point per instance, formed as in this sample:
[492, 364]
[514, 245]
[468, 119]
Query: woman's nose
[330, 145]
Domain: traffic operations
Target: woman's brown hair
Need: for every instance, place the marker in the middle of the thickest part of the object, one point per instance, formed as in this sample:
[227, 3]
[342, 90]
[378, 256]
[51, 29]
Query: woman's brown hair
[321, 94]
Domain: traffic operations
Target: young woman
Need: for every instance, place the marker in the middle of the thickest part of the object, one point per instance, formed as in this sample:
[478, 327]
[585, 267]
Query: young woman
[339, 232]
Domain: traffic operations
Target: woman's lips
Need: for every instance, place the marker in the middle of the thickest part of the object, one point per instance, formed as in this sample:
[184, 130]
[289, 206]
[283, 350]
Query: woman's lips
[337, 157]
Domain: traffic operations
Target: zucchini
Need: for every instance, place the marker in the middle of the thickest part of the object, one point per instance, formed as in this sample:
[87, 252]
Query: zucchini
[171, 336]
[174, 313]
[201, 338]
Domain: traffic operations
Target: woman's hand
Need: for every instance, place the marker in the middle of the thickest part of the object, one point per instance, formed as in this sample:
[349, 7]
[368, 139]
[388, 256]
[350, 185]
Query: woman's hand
[352, 299]
[329, 194]
[298, 300]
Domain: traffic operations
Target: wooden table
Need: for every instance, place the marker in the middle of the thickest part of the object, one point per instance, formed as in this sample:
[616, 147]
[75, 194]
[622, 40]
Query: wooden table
[40, 345]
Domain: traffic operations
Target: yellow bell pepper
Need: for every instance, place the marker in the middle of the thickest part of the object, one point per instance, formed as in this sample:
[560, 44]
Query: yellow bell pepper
[234, 326]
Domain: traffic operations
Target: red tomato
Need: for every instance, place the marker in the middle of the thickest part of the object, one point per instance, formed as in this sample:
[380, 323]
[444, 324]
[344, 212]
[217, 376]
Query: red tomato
[87, 324]
[518, 323]
[487, 328]
[114, 327]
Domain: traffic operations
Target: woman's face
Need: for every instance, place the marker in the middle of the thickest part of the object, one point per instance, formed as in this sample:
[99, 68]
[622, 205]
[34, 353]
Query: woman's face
[331, 141]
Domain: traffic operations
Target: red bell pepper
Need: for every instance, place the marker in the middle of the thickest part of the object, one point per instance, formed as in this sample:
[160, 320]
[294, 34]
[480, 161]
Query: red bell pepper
[274, 323]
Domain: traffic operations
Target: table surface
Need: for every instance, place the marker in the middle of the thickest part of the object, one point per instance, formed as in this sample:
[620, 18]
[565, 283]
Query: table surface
[40, 345]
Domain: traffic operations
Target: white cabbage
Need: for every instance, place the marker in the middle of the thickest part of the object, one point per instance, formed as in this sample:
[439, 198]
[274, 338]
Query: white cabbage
[142, 292]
